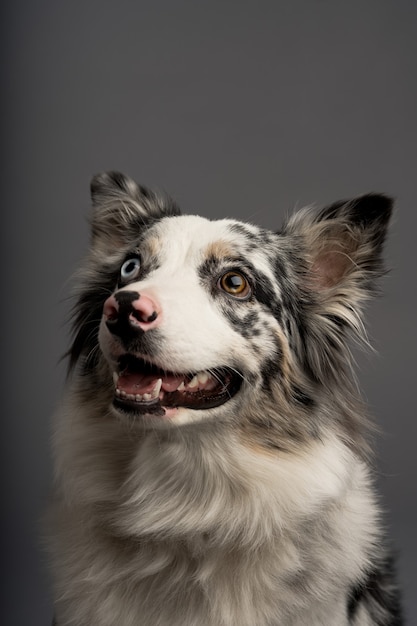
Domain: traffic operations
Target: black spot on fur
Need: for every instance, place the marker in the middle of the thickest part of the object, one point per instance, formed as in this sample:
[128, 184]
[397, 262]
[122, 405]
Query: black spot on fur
[245, 324]
[379, 595]
[241, 229]
[265, 294]
[271, 368]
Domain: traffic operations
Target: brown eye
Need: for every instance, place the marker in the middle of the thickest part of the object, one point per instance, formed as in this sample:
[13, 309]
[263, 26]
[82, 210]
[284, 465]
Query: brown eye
[235, 284]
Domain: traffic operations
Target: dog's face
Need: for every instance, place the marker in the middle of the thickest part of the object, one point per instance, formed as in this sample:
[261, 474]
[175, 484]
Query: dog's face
[196, 313]
[197, 320]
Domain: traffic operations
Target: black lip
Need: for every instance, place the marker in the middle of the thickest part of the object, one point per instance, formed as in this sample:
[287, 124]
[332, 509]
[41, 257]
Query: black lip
[143, 408]
[231, 383]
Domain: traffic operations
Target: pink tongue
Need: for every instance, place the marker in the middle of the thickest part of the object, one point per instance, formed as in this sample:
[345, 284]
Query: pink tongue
[139, 383]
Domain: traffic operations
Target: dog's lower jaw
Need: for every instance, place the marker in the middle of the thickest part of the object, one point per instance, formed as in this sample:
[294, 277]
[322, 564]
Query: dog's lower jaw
[166, 418]
[146, 412]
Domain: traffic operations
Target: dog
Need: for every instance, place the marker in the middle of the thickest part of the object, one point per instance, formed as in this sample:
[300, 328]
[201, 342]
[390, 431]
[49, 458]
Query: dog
[211, 457]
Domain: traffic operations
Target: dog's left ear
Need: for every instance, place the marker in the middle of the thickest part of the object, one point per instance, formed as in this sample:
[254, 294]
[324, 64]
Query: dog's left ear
[339, 252]
[122, 208]
[343, 246]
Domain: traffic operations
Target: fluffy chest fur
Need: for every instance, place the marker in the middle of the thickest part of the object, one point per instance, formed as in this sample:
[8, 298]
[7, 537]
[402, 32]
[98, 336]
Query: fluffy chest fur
[210, 458]
[213, 533]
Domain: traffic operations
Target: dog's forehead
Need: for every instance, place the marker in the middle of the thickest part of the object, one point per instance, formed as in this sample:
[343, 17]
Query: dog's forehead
[194, 237]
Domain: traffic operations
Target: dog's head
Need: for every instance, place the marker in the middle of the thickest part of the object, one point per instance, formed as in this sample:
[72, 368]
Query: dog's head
[197, 320]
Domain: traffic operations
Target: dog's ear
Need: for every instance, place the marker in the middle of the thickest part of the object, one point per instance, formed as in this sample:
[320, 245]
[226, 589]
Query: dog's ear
[343, 244]
[339, 251]
[122, 208]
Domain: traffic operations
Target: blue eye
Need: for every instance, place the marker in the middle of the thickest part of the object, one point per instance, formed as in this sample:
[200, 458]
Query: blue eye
[130, 268]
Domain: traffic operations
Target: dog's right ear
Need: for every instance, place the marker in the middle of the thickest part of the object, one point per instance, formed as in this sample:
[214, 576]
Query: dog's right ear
[122, 208]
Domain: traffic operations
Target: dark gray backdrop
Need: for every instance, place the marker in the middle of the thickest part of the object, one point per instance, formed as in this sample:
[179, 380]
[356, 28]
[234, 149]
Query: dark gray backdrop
[241, 109]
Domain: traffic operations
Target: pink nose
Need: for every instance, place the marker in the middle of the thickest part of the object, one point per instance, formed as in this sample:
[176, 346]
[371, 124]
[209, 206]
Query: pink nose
[127, 312]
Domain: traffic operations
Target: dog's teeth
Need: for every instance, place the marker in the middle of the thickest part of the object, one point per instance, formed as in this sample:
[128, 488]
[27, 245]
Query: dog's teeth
[115, 377]
[193, 383]
[181, 387]
[122, 393]
[138, 397]
[147, 397]
[118, 392]
[203, 377]
[155, 391]
[130, 396]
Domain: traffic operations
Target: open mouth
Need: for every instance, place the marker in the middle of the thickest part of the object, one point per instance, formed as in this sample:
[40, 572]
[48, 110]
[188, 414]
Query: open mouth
[141, 387]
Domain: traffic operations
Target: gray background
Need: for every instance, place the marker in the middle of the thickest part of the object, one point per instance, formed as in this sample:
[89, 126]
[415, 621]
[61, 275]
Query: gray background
[236, 108]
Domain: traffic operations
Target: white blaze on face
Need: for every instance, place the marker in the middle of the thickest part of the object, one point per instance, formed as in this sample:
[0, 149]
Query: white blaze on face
[195, 333]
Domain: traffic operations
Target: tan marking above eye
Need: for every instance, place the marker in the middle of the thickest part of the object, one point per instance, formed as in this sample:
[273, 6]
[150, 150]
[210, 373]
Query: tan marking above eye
[235, 284]
[154, 245]
[219, 249]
